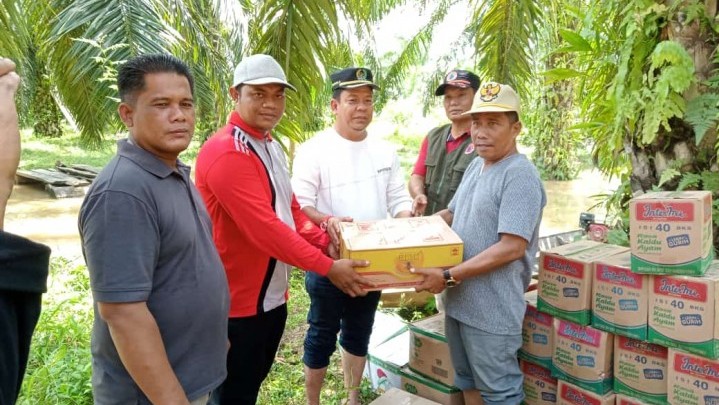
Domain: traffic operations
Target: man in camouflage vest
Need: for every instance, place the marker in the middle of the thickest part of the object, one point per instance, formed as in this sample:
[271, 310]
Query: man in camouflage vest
[447, 150]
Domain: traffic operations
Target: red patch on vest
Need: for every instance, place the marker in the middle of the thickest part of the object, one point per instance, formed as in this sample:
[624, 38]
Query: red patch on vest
[469, 149]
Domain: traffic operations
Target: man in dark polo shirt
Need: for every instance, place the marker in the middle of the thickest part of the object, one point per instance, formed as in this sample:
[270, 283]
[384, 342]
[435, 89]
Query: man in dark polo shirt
[23, 263]
[447, 150]
[160, 292]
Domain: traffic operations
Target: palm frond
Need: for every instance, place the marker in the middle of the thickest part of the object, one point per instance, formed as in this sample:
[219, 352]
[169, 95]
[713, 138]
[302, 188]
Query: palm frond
[503, 34]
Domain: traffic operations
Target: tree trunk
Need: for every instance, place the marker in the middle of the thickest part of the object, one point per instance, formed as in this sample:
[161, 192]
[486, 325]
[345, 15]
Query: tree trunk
[45, 111]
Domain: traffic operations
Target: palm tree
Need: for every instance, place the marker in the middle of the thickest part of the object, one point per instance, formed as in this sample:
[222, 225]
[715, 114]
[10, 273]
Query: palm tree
[77, 45]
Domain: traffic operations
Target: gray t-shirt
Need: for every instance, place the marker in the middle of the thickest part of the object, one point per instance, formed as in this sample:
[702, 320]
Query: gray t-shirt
[147, 236]
[508, 197]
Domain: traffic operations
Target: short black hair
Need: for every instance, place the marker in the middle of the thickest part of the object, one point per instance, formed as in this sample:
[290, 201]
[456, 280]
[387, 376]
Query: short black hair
[513, 116]
[337, 93]
[131, 75]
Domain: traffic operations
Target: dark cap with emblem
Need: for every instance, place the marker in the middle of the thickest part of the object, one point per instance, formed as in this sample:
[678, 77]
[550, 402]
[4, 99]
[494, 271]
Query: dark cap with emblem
[458, 78]
[352, 77]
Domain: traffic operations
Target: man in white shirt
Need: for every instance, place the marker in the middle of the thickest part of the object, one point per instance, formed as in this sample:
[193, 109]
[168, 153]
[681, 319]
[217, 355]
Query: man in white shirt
[343, 175]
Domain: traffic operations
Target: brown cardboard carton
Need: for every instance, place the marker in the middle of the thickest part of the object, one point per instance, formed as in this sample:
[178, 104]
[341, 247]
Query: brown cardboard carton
[398, 397]
[565, 279]
[693, 380]
[627, 400]
[537, 334]
[569, 394]
[640, 370]
[430, 389]
[393, 246]
[684, 312]
[671, 232]
[540, 388]
[620, 298]
[429, 352]
[583, 356]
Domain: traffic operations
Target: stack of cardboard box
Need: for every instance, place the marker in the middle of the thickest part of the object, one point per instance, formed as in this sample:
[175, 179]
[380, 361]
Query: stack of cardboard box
[649, 328]
[557, 332]
[416, 360]
[430, 368]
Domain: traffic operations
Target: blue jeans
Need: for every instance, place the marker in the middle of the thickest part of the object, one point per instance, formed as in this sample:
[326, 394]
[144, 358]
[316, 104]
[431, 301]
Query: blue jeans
[485, 362]
[332, 311]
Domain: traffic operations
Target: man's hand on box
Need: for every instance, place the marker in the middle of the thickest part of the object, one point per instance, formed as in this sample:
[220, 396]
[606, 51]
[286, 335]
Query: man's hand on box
[433, 279]
[333, 251]
[343, 275]
[333, 229]
[419, 205]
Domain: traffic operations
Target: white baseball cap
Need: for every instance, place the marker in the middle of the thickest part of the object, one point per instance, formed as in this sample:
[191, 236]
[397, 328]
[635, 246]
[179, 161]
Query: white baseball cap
[495, 97]
[260, 69]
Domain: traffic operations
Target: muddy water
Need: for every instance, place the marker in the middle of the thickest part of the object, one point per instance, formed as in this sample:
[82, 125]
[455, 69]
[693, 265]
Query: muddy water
[32, 213]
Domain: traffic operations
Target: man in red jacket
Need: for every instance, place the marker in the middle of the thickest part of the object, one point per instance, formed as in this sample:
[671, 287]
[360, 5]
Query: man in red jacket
[258, 227]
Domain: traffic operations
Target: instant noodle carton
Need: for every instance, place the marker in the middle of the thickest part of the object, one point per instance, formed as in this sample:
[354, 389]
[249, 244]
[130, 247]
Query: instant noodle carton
[537, 334]
[620, 298]
[693, 380]
[627, 400]
[394, 246]
[569, 394]
[565, 279]
[640, 370]
[540, 388]
[430, 389]
[583, 356]
[671, 232]
[684, 312]
[429, 351]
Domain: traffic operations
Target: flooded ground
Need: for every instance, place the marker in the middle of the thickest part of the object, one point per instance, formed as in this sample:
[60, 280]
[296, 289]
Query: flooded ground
[32, 213]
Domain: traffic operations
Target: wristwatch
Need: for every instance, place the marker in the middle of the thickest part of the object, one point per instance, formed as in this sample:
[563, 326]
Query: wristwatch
[449, 281]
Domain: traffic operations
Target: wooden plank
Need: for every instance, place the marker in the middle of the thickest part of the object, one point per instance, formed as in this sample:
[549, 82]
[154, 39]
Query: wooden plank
[65, 191]
[52, 177]
[87, 168]
[80, 173]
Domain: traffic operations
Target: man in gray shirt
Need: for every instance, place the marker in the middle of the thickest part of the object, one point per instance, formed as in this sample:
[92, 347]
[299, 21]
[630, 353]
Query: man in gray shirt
[496, 211]
[159, 288]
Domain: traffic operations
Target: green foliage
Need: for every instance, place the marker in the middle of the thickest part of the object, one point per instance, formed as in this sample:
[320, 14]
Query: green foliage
[689, 181]
[662, 96]
[702, 113]
[47, 115]
[557, 74]
[411, 312]
[551, 112]
[40, 152]
[503, 31]
[577, 43]
[59, 367]
[618, 236]
[667, 175]
[710, 180]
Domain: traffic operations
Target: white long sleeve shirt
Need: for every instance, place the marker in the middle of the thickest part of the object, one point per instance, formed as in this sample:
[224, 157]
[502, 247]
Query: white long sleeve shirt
[362, 180]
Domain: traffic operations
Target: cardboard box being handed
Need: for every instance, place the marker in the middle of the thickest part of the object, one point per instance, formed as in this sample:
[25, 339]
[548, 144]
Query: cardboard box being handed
[394, 246]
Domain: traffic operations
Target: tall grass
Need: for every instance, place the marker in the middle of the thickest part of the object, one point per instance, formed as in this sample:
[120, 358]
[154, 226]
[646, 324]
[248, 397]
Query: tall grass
[59, 367]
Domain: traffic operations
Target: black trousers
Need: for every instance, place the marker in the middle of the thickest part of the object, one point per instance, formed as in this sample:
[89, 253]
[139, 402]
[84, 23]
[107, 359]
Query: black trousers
[253, 345]
[19, 313]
